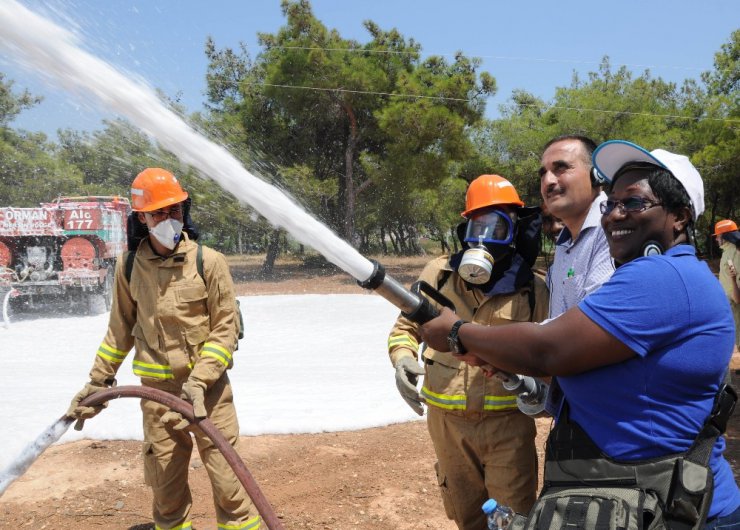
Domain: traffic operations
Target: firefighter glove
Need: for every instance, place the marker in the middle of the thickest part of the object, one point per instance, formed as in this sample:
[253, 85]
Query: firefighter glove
[407, 375]
[194, 391]
[81, 413]
[175, 420]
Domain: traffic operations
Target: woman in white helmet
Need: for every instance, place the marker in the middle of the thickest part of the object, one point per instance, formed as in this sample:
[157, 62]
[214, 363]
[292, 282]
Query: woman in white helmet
[641, 362]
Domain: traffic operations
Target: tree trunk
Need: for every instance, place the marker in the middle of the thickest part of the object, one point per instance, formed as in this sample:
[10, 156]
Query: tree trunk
[273, 249]
[383, 244]
[364, 242]
[709, 238]
[349, 187]
[453, 234]
[394, 242]
[445, 247]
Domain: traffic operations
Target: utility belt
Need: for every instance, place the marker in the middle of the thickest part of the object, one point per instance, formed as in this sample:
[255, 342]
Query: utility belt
[585, 489]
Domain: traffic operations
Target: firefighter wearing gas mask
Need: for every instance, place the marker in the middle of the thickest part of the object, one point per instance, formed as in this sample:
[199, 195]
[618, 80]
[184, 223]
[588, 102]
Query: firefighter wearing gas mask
[483, 443]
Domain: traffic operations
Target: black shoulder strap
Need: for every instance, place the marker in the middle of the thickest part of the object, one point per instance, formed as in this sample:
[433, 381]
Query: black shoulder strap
[443, 278]
[130, 264]
[716, 424]
[532, 300]
[199, 264]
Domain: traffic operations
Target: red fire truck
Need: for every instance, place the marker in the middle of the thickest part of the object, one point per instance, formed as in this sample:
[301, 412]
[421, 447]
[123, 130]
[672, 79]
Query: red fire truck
[65, 248]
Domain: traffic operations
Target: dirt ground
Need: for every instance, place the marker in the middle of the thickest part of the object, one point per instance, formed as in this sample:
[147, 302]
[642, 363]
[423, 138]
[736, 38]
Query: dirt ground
[360, 480]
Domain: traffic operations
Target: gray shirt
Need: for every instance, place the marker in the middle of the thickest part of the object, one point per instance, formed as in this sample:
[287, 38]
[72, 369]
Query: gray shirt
[580, 266]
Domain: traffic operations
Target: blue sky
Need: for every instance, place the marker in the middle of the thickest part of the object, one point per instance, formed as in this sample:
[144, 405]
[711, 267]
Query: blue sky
[534, 45]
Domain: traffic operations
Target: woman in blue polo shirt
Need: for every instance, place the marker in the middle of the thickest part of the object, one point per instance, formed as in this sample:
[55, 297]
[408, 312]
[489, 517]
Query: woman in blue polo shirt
[640, 360]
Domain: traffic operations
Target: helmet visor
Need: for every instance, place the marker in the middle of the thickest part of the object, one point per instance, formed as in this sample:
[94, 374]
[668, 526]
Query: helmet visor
[490, 227]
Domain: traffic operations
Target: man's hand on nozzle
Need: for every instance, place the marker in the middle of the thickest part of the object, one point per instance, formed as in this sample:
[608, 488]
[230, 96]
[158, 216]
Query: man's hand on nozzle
[407, 376]
[81, 413]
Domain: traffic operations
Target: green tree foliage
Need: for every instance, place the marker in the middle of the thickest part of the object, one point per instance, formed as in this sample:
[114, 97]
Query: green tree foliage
[716, 136]
[29, 171]
[376, 140]
[341, 112]
[31, 174]
[109, 158]
[11, 104]
[607, 105]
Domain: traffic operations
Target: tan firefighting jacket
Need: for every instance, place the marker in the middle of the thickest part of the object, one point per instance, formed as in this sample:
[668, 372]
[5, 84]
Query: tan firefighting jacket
[449, 383]
[172, 317]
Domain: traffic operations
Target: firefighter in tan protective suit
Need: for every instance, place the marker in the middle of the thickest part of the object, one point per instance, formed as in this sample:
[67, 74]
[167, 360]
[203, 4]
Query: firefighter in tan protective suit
[483, 443]
[184, 328]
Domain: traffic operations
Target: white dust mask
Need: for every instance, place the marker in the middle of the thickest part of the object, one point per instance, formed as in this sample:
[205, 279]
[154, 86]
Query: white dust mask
[168, 232]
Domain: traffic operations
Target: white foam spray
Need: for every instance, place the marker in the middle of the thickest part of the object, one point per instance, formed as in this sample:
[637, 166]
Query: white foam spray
[6, 301]
[32, 451]
[49, 50]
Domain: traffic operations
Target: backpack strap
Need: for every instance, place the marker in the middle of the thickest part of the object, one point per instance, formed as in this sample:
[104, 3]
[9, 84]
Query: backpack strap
[130, 257]
[716, 424]
[199, 264]
[532, 300]
[443, 278]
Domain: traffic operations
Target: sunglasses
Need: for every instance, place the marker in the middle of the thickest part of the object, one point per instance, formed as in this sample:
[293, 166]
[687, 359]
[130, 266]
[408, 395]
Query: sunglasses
[628, 205]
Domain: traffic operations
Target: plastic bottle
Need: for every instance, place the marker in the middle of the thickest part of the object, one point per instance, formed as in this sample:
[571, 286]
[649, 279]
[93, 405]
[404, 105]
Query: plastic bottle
[499, 517]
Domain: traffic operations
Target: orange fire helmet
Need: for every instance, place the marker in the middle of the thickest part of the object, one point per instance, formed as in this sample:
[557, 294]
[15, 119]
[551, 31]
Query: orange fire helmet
[155, 188]
[490, 190]
[724, 226]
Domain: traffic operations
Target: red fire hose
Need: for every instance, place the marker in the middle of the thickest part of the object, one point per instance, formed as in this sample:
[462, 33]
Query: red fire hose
[207, 426]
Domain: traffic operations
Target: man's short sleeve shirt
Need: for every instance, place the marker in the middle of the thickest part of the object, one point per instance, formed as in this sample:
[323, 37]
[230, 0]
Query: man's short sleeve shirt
[580, 266]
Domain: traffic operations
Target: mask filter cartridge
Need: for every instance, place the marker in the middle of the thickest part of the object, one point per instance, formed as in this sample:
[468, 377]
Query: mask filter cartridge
[476, 265]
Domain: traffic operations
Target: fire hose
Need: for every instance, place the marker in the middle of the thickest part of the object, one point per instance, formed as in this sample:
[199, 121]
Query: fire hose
[186, 409]
[415, 305]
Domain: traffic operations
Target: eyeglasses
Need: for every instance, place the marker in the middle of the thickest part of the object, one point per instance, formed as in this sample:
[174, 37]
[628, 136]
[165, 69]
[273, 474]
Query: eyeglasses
[628, 205]
[160, 215]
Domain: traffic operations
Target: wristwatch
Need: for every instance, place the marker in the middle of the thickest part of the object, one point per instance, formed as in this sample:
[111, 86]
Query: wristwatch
[453, 339]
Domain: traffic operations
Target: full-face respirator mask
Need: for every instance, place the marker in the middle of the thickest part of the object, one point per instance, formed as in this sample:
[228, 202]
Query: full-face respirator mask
[490, 236]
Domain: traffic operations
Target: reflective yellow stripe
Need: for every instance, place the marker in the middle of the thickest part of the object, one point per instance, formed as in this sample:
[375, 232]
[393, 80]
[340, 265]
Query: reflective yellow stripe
[111, 354]
[250, 524]
[156, 371]
[211, 349]
[403, 340]
[458, 402]
[444, 401]
[184, 526]
[499, 402]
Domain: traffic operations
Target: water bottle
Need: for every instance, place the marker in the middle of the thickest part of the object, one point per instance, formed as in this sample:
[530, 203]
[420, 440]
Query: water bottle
[499, 517]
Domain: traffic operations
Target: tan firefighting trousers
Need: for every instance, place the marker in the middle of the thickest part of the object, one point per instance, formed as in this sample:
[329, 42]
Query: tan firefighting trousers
[167, 457]
[481, 457]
